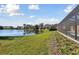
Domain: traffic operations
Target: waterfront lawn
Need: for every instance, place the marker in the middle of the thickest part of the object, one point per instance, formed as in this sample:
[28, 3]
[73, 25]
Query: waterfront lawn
[49, 42]
[36, 44]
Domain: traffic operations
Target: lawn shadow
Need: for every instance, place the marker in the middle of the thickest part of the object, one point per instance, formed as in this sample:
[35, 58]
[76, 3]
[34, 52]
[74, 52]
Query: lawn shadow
[6, 38]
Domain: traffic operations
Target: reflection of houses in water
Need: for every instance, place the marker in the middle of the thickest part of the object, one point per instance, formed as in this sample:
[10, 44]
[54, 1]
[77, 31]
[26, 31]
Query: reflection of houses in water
[27, 29]
[25, 32]
[24, 25]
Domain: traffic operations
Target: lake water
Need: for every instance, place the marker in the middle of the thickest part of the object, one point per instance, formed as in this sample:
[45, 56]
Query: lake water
[15, 33]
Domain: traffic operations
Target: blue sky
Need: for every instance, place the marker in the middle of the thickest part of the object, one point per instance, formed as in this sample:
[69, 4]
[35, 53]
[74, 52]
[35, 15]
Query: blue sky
[19, 14]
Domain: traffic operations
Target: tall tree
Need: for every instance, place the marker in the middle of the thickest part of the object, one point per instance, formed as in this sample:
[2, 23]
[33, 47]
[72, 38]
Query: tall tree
[36, 29]
[1, 27]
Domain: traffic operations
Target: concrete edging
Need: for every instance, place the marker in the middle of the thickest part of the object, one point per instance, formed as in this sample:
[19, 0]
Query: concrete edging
[68, 37]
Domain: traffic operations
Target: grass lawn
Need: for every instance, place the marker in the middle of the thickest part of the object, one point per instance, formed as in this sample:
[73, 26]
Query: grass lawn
[36, 44]
[40, 44]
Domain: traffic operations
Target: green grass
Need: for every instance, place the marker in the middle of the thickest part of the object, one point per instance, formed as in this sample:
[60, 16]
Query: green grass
[36, 44]
[39, 44]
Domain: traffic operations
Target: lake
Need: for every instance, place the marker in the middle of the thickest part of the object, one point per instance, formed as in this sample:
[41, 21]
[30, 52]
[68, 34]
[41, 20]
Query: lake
[15, 33]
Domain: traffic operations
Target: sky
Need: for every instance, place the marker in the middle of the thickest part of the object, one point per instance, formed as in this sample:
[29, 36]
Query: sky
[19, 14]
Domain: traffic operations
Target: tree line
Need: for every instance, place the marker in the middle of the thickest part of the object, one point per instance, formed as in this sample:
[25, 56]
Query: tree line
[38, 28]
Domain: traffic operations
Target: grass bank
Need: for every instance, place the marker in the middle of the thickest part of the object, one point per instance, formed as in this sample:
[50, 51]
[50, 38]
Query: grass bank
[33, 45]
[49, 42]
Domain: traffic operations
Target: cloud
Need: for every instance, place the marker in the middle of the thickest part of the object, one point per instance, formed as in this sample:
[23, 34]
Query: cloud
[31, 16]
[33, 7]
[69, 8]
[2, 6]
[16, 14]
[11, 10]
[46, 21]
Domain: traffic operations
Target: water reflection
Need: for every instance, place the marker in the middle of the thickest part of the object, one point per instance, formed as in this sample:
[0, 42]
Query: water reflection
[15, 33]
[24, 32]
[27, 32]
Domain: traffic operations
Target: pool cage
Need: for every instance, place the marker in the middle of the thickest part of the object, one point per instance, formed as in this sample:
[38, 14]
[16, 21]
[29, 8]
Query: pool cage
[70, 24]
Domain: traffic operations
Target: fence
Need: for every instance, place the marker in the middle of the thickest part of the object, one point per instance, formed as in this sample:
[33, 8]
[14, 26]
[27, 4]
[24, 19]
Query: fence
[70, 24]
